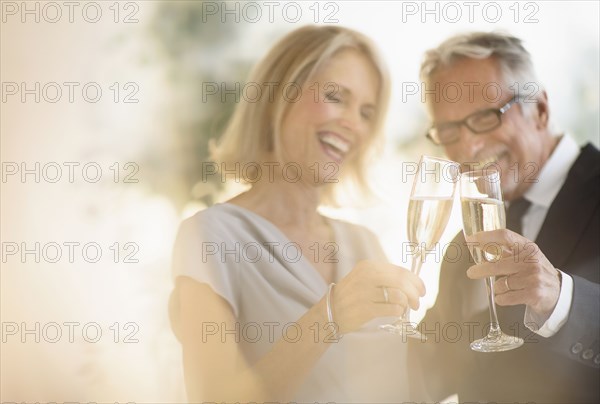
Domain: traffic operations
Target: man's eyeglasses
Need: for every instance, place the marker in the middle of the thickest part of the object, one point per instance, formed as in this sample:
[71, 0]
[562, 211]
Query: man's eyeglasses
[478, 122]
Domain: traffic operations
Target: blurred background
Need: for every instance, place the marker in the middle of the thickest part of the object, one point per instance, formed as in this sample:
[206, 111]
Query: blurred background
[104, 127]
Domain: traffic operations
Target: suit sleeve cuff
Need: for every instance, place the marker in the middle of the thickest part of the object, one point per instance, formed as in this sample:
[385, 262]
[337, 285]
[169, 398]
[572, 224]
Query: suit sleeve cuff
[550, 326]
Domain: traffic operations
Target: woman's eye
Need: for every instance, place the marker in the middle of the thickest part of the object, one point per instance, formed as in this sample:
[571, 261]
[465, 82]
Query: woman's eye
[367, 115]
[332, 97]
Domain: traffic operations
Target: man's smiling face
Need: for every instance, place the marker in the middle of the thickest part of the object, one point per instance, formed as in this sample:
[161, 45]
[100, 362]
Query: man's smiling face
[519, 147]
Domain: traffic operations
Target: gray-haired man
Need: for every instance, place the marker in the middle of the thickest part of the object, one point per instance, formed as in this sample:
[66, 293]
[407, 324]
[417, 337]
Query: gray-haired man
[488, 109]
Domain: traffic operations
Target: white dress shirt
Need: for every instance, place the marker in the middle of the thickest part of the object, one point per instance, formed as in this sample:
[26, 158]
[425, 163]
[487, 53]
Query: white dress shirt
[541, 195]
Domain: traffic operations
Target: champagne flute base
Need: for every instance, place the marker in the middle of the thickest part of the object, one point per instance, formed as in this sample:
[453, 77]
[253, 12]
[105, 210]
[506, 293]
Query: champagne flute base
[404, 330]
[497, 343]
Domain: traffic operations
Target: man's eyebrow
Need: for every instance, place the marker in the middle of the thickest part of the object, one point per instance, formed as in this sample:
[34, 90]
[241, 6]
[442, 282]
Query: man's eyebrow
[466, 116]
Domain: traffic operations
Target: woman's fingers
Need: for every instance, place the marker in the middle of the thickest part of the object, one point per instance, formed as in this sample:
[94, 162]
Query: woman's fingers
[398, 277]
[389, 310]
[376, 289]
[403, 283]
[389, 295]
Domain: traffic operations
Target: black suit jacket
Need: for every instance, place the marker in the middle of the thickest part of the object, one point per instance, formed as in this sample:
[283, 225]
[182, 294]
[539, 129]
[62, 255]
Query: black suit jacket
[564, 368]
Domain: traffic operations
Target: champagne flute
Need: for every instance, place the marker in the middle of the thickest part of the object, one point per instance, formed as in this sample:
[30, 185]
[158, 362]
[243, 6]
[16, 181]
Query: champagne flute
[483, 210]
[429, 209]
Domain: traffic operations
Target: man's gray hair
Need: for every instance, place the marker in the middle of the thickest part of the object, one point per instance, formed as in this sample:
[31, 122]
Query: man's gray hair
[513, 59]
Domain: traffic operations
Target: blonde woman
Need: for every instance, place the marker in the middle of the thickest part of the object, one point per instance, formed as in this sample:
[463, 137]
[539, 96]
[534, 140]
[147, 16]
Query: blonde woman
[274, 301]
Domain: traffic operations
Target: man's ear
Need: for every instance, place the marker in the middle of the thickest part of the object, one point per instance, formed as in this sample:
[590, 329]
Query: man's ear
[542, 111]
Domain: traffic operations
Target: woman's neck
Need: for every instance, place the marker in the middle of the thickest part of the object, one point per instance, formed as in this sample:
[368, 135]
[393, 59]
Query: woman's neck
[285, 204]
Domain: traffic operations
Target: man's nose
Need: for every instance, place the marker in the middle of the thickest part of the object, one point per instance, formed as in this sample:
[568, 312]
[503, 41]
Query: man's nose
[472, 143]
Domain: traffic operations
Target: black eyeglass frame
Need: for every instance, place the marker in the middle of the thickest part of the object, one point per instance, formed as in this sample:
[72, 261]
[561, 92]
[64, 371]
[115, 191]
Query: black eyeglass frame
[498, 111]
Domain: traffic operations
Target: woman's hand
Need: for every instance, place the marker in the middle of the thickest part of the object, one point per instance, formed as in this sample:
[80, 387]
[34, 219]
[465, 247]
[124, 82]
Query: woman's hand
[360, 297]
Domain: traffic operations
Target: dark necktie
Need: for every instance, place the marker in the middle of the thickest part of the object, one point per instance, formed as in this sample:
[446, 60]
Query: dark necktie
[514, 215]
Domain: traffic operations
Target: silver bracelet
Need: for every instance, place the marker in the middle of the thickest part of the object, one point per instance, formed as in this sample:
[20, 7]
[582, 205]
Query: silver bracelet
[330, 310]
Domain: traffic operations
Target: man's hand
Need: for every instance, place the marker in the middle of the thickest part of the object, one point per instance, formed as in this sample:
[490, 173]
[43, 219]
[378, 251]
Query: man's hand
[524, 274]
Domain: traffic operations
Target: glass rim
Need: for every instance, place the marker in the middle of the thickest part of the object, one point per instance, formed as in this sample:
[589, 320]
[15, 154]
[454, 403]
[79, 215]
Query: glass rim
[439, 159]
[482, 172]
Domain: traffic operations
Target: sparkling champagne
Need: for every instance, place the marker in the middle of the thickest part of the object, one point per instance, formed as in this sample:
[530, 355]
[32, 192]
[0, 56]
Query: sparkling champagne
[427, 219]
[483, 215]
[483, 210]
[429, 209]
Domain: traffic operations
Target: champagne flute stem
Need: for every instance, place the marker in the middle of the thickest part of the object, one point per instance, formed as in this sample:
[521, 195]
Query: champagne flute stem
[417, 263]
[494, 324]
[415, 268]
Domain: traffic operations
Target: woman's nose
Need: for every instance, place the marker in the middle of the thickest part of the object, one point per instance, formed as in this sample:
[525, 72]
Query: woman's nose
[351, 118]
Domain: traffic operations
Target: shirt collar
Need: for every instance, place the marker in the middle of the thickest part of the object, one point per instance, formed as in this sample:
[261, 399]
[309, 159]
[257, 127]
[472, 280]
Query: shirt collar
[553, 173]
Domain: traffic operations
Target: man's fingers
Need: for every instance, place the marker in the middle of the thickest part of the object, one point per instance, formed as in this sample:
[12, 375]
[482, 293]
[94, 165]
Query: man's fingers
[509, 283]
[512, 298]
[500, 268]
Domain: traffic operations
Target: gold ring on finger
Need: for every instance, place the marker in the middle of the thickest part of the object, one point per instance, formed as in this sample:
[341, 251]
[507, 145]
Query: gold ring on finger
[386, 297]
[506, 284]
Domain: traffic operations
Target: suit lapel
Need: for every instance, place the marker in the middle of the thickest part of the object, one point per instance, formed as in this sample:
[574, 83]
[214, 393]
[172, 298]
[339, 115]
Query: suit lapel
[570, 211]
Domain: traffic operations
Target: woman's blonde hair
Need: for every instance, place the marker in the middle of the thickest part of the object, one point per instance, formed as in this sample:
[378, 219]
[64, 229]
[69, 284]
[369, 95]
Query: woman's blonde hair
[255, 127]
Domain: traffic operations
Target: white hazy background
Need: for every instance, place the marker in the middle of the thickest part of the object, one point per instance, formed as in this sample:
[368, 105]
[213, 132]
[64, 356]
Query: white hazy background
[564, 43]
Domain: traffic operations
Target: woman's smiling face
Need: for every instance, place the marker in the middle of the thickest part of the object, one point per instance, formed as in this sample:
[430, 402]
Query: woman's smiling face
[333, 117]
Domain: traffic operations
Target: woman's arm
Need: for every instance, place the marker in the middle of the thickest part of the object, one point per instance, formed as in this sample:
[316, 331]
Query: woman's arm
[215, 369]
